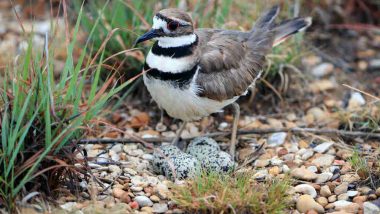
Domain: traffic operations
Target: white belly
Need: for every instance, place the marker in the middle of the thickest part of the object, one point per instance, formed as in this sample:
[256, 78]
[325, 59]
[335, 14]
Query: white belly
[183, 104]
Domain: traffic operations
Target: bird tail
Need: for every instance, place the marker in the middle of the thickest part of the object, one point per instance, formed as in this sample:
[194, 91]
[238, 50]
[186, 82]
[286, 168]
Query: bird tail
[290, 27]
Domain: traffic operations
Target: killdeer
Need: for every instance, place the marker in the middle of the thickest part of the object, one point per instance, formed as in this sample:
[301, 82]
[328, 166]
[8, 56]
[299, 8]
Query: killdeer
[192, 73]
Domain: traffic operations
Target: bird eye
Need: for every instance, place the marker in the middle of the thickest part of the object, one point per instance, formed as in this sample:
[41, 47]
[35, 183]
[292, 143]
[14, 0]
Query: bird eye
[173, 25]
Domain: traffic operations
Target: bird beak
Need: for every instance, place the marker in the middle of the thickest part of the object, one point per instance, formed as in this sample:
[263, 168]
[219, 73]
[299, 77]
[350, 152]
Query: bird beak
[153, 33]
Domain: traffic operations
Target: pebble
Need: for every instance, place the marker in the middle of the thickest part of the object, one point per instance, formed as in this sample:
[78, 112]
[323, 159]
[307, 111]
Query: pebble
[322, 201]
[370, 208]
[352, 193]
[322, 148]
[136, 189]
[343, 197]
[148, 157]
[324, 160]
[359, 199]
[154, 198]
[342, 188]
[130, 171]
[261, 163]
[307, 154]
[160, 208]
[312, 169]
[306, 203]
[322, 69]
[323, 177]
[276, 162]
[306, 189]
[147, 209]
[143, 201]
[277, 139]
[378, 191]
[339, 205]
[261, 174]
[332, 198]
[303, 174]
[325, 191]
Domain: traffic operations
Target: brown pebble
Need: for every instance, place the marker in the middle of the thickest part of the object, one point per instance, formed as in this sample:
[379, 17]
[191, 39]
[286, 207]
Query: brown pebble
[282, 152]
[360, 199]
[312, 212]
[372, 197]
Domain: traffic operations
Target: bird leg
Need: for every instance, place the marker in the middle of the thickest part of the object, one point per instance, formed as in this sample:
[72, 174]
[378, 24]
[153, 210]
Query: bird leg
[236, 111]
[179, 132]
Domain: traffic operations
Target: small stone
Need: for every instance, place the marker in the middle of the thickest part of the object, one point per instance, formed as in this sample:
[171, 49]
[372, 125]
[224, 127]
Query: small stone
[114, 169]
[261, 163]
[303, 144]
[122, 195]
[360, 199]
[148, 157]
[356, 100]
[307, 154]
[323, 177]
[352, 193]
[365, 190]
[303, 174]
[69, 206]
[343, 197]
[276, 162]
[306, 203]
[160, 208]
[324, 160]
[322, 69]
[340, 205]
[285, 168]
[312, 169]
[130, 171]
[372, 197]
[350, 178]
[378, 191]
[370, 208]
[143, 201]
[322, 148]
[325, 191]
[332, 198]
[261, 174]
[275, 170]
[147, 209]
[322, 201]
[154, 198]
[277, 139]
[134, 205]
[282, 152]
[306, 189]
[342, 188]
[136, 189]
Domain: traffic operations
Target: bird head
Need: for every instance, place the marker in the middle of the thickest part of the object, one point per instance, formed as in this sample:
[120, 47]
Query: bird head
[169, 23]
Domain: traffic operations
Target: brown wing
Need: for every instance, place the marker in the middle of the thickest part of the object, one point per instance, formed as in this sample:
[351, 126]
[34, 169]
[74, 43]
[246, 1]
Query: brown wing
[231, 60]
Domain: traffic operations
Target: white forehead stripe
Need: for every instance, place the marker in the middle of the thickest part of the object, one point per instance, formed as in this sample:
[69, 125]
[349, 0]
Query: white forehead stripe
[169, 42]
[159, 23]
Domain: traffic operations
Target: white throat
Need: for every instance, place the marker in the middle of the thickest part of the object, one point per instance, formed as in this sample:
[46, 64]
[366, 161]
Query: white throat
[170, 42]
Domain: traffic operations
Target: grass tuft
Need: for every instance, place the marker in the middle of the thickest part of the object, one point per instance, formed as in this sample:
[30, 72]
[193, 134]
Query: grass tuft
[41, 115]
[234, 193]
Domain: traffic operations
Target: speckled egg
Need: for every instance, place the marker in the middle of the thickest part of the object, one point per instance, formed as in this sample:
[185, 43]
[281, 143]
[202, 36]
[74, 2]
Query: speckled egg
[159, 155]
[218, 162]
[201, 147]
[184, 165]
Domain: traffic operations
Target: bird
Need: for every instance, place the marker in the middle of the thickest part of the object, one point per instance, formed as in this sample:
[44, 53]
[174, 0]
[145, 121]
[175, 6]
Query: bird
[191, 73]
